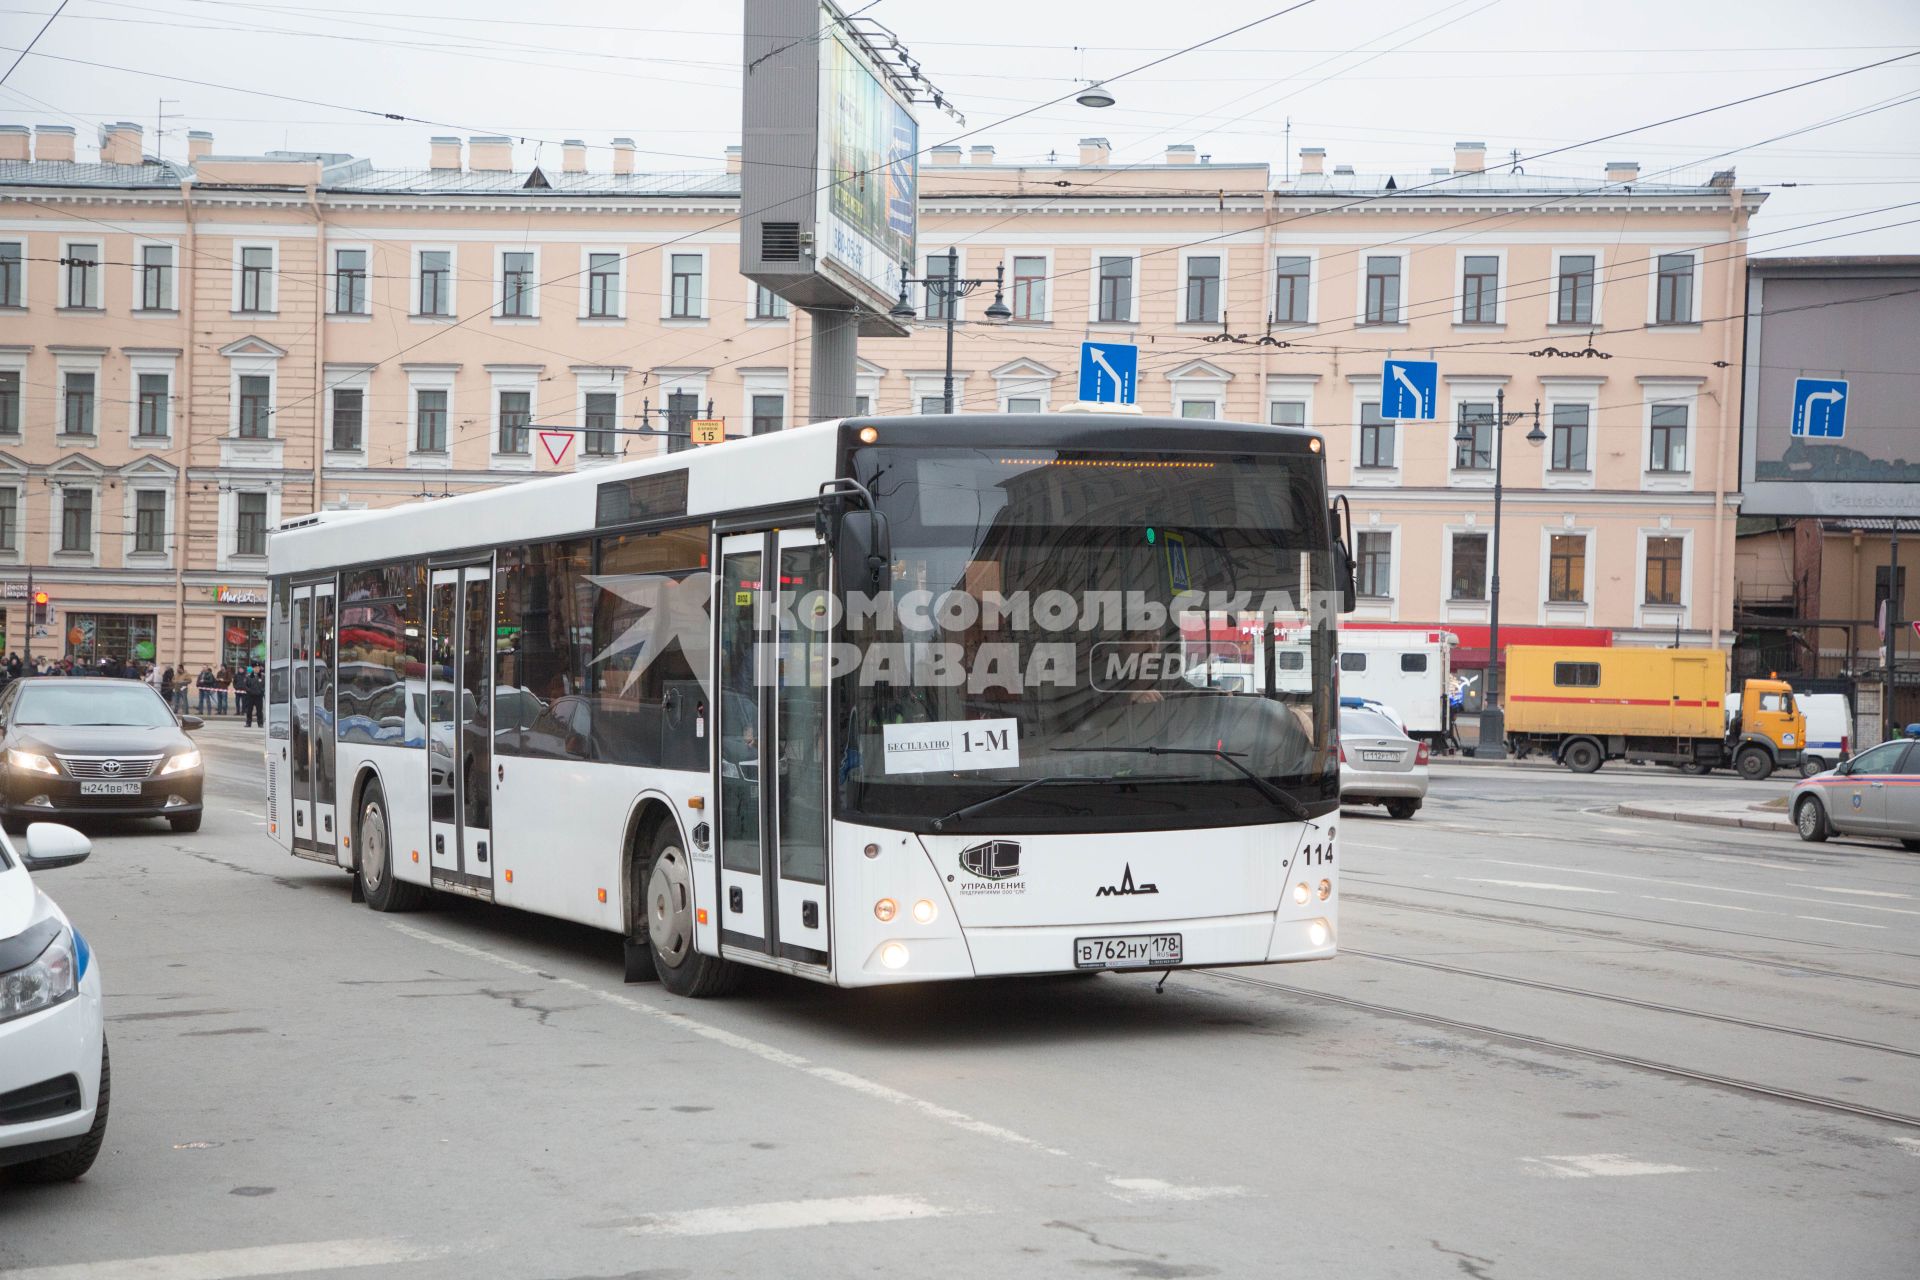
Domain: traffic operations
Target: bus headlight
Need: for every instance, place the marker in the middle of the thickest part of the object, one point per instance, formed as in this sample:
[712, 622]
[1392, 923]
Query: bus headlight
[1301, 893]
[1326, 890]
[885, 910]
[923, 911]
[1318, 933]
[894, 955]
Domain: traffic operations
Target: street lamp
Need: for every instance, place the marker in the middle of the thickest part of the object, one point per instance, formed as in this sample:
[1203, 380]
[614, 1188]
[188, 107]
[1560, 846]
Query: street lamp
[949, 288]
[1493, 720]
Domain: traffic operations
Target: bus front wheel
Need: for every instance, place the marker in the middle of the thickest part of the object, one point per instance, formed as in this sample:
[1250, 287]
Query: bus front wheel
[373, 860]
[666, 926]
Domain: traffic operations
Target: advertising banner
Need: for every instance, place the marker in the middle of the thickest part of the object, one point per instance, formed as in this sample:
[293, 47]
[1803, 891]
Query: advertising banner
[870, 168]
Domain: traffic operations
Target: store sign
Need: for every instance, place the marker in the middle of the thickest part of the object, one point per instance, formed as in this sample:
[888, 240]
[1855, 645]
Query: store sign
[239, 595]
[13, 590]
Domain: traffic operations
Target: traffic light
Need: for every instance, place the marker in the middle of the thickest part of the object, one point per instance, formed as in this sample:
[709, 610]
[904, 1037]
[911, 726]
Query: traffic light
[40, 601]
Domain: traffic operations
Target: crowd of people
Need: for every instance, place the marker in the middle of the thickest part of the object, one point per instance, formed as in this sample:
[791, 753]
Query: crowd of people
[239, 691]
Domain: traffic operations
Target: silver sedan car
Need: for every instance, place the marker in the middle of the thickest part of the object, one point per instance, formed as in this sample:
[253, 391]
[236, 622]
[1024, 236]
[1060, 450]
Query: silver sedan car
[1380, 764]
[1876, 793]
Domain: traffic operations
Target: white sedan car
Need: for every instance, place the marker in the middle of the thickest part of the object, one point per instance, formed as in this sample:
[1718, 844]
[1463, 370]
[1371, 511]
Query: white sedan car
[1380, 764]
[53, 1047]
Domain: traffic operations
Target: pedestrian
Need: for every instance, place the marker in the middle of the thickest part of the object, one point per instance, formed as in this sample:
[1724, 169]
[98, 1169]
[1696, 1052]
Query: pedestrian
[222, 685]
[255, 687]
[166, 685]
[204, 683]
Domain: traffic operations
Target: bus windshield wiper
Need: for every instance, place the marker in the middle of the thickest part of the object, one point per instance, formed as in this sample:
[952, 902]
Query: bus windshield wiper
[1294, 809]
[1011, 792]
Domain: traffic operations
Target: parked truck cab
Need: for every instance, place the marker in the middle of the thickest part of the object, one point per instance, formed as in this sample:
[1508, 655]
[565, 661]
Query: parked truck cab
[1769, 721]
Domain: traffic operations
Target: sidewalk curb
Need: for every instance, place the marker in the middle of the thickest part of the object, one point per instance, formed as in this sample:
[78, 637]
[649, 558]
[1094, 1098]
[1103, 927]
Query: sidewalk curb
[1702, 819]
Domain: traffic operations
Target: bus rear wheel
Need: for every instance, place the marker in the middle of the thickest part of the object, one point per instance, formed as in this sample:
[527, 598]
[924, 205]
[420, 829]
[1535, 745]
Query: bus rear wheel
[666, 925]
[373, 860]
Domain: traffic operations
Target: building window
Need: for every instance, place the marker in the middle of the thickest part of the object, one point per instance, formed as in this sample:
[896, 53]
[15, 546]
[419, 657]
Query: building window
[1881, 577]
[430, 421]
[1673, 304]
[9, 402]
[256, 279]
[769, 414]
[1480, 290]
[1383, 290]
[83, 275]
[250, 528]
[349, 281]
[516, 284]
[78, 407]
[1567, 568]
[1376, 436]
[682, 408]
[1570, 437]
[603, 285]
[1116, 289]
[1669, 435]
[600, 415]
[156, 277]
[1376, 564]
[516, 413]
[9, 519]
[768, 305]
[150, 522]
[154, 398]
[688, 293]
[256, 416]
[349, 413]
[1287, 413]
[76, 520]
[1469, 567]
[93, 638]
[1030, 289]
[862, 406]
[1476, 453]
[1198, 409]
[933, 404]
[940, 296]
[1023, 404]
[1664, 556]
[1203, 290]
[1574, 302]
[243, 640]
[1290, 280]
[12, 274]
[436, 282]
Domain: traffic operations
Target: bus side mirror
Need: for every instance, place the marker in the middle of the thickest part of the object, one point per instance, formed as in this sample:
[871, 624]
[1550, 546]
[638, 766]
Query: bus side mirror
[1338, 539]
[865, 551]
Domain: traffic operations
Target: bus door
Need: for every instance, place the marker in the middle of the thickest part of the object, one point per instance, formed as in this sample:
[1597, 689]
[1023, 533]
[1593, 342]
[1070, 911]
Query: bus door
[458, 712]
[311, 741]
[771, 610]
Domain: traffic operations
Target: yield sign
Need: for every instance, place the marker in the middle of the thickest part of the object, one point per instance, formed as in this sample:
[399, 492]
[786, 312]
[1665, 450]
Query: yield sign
[556, 444]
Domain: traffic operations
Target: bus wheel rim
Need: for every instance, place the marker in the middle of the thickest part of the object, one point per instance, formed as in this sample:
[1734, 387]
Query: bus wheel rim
[670, 908]
[373, 846]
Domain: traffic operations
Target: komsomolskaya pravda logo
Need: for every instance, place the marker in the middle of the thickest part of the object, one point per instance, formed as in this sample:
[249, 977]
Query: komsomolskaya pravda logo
[1126, 887]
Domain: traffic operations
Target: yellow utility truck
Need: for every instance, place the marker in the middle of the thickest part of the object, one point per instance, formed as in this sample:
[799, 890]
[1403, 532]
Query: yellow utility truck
[1586, 706]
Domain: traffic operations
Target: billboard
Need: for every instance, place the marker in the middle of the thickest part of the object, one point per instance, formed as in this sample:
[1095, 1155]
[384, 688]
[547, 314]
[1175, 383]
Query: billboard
[1830, 407]
[869, 144]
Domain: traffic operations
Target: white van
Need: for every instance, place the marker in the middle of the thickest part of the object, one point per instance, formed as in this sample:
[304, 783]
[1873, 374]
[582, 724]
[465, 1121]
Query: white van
[1408, 671]
[1829, 721]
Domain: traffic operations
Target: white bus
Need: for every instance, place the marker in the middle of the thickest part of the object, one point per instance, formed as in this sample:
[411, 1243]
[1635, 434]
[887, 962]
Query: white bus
[870, 701]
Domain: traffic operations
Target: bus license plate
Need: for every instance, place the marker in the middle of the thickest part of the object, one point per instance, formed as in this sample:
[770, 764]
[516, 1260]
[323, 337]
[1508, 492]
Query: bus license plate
[1130, 951]
[109, 788]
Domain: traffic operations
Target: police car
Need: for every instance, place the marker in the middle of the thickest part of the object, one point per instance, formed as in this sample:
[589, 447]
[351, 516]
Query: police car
[53, 1048]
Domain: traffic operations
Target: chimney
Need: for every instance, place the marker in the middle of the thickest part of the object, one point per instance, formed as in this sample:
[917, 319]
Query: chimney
[199, 145]
[573, 156]
[1095, 151]
[53, 142]
[120, 143]
[1622, 170]
[16, 142]
[1343, 171]
[445, 154]
[489, 154]
[623, 155]
[734, 159]
[1313, 160]
[982, 155]
[946, 154]
[1180, 153]
[1469, 157]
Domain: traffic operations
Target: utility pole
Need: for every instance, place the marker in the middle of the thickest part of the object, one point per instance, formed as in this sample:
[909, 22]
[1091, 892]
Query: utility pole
[27, 641]
[1889, 713]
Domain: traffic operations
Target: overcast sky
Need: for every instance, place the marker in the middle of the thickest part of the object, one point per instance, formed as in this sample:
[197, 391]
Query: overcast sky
[1383, 85]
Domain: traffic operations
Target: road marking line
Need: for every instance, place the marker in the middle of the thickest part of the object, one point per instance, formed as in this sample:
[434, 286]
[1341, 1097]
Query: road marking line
[1537, 884]
[785, 1215]
[225, 1264]
[1717, 906]
[1155, 1189]
[1911, 1144]
[1686, 884]
[779, 1057]
[1751, 862]
[1602, 1165]
[1855, 923]
[1862, 893]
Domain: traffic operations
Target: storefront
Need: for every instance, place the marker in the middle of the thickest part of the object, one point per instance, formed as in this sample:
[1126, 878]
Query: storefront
[121, 637]
[243, 635]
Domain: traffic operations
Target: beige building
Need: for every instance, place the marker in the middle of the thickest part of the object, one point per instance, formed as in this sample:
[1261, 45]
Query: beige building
[191, 354]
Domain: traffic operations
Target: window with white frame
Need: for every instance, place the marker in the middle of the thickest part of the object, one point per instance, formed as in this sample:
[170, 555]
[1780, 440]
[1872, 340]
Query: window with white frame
[1382, 305]
[768, 305]
[76, 520]
[1375, 570]
[517, 284]
[1574, 284]
[1377, 438]
[1199, 409]
[1030, 288]
[1666, 559]
[603, 286]
[686, 286]
[250, 524]
[1468, 578]
[1292, 275]
[255, 279]
[430, 419]
[1667, 438]
[516, 419]
[80, 276]
[9, 402]
[156, 277]
[1567, 568]
[255, 416]
[768, 413]
[1673, 299]
[347, 419]
[939, 294]
[933, 404]
[434, 297]
[1025, 404]
[13, 273]
[9, 518]
[149, 522]
[599, 416]
[1202, 298]
[683, 406]
[1479, 289]
[1115, 289]
[1568, 445]
[78, 389]
[1473, 440]
[1287, 413]
[349, 282]
[151, 416]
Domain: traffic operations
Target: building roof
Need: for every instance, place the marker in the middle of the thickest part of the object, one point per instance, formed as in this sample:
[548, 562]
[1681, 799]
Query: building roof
[361, 177]
[77, 173]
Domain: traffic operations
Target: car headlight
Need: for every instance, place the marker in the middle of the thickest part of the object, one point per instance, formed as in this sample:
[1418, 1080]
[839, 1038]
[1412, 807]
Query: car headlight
[42, 982]
[32, 761]
[185, 762]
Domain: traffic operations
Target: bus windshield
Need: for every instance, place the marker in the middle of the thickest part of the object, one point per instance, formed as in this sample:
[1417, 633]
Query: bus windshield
[1075, 641]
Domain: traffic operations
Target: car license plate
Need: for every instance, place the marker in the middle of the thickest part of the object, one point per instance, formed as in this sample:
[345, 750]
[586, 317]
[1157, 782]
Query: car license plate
[1130, 951]
[1385, 757]
[109, 788]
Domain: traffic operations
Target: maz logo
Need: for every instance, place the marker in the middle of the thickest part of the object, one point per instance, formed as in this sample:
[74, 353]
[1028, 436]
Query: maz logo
[1126, 887]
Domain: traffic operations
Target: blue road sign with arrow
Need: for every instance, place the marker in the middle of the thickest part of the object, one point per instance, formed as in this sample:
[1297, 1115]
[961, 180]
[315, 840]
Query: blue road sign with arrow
[1409, 389]
[1820, 408]
[1108, 372]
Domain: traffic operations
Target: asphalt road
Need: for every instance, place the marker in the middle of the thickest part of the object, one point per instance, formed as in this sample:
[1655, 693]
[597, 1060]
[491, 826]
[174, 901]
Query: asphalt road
[1558, 1043]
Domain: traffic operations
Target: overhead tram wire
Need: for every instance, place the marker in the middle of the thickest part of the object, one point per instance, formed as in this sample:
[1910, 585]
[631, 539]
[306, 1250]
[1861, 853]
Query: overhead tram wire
[15, 64]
